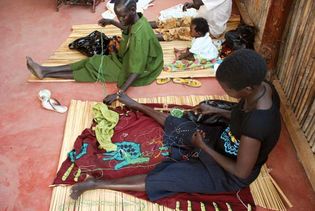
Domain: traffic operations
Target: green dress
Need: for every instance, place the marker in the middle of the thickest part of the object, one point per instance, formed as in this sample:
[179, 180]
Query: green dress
[140, 52]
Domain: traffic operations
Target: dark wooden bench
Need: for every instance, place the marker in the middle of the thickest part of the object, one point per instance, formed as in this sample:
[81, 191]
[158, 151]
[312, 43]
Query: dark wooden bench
[92, 3]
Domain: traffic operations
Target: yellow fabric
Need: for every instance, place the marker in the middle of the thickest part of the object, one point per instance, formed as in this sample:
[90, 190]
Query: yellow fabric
[175, 29]
[106, 121]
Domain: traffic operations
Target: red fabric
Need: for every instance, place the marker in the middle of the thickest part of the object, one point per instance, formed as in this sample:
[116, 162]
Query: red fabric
[138, 128]
[133, 127]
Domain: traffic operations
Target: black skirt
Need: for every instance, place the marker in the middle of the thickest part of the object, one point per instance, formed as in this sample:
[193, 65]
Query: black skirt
[188, 169]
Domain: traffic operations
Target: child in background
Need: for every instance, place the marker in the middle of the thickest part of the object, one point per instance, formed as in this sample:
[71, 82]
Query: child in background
[201, 45]
[201, 55]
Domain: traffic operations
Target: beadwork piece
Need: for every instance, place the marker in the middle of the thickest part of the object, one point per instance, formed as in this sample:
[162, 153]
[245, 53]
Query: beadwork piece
[127, 152]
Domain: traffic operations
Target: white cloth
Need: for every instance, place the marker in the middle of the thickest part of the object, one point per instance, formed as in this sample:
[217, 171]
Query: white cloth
[217, 13]
[211, 4]
[177, 12]
[202, 47]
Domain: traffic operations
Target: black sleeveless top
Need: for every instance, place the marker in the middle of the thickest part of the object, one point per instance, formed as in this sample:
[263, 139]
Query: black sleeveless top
[263, 125]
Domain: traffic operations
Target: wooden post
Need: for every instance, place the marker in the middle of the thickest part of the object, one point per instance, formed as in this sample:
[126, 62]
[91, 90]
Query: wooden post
[269, 35]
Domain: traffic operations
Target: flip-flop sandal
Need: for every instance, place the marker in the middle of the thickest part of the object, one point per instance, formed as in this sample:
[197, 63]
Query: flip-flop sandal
[179, 81]
[54, 105]
[44, 95]
[162, 81]
[188, 82]
[51, 103]
[193, 83]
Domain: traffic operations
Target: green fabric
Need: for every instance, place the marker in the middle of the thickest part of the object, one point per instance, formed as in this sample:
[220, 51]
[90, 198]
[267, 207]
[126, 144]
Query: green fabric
[140, 52]
[104, 130]
[97, 68]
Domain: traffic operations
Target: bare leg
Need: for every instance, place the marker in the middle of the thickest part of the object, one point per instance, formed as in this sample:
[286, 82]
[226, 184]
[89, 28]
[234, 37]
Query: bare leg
[133, 183]
[156, 115]
[63, 71]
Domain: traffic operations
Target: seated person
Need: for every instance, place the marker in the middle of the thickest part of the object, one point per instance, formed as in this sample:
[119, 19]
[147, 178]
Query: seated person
[201, 45]
[138, 62]
[226, 158]
[216, 12]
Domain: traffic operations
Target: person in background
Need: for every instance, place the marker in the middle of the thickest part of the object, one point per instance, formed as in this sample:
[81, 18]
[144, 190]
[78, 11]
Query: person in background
[216, 12]
[138, 62]
[226, 158]
[201, 45]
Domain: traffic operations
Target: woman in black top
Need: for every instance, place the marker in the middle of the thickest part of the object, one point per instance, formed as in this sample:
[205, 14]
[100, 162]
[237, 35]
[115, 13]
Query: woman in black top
[205, 159]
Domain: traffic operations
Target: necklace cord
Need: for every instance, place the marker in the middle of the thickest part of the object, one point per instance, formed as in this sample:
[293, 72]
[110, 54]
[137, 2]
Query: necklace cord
[259, 97]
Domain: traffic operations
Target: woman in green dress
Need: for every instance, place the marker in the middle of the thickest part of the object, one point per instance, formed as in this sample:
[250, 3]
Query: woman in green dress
[138, 62]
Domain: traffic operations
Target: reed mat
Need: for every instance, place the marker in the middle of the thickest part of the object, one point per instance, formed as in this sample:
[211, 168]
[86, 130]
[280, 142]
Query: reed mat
[63, 55]
[265, 191]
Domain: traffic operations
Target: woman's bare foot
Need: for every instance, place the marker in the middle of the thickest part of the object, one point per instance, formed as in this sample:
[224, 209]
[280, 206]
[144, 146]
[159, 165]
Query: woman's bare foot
[125, 99]
[34, 68]
[78, 189]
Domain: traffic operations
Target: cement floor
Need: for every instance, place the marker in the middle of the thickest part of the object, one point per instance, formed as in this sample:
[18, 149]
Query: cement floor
[31, 137]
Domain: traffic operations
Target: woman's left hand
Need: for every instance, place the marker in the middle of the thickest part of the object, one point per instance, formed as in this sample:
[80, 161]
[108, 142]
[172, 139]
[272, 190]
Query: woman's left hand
[197, 139]
[110, 98]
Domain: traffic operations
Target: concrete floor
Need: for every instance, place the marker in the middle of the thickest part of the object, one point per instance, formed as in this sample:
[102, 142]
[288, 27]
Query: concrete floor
[31, 137]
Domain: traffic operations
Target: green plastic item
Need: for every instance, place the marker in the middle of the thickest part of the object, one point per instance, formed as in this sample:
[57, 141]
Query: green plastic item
[177, 112]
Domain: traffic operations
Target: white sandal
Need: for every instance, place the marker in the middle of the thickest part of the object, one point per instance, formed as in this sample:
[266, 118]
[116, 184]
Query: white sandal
[51, 103]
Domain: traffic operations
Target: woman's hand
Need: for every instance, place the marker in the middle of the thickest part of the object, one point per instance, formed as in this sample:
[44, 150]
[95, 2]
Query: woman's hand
[109, 99]
[197, 139]
[188, 5]
[104, 22]
[204, 108]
